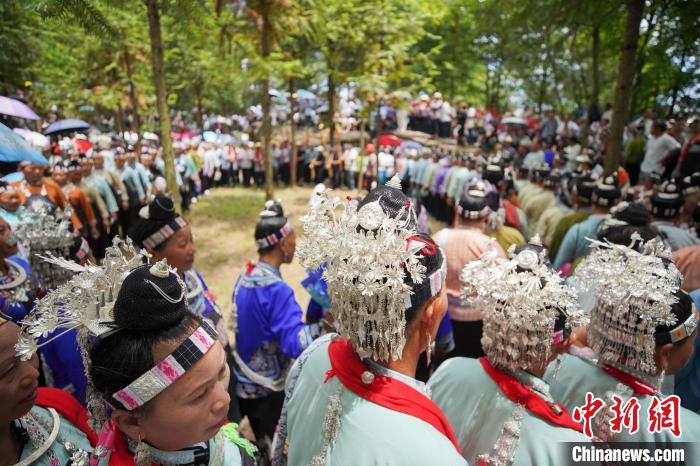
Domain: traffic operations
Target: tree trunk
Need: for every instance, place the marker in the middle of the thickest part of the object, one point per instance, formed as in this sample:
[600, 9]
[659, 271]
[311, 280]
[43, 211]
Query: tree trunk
[595, 93]
[198, 107]
[375, 173]
[676, 86]
[487, 87]
[625, 75]
[331, 109]
[292, 131]
[651, 21]
[161, 98]
[361, 178]
[119, 119]
[132, 91]
[543, 88]
[267, 122]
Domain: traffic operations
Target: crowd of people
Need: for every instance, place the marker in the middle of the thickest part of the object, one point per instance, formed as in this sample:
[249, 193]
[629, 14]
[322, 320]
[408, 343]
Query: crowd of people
[553, 291]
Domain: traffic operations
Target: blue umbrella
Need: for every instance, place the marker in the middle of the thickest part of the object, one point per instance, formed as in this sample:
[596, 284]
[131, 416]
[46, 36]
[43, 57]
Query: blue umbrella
[407, 145]
[15, 149]
[66, 125]
[210, 136]
[13, 177]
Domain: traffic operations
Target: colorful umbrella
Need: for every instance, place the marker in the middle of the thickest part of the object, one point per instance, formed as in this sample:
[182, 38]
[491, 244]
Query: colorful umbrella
[389, 140]
[409, 144]
[16, 108]
[35, 139]
[15, 149]
[66, 125]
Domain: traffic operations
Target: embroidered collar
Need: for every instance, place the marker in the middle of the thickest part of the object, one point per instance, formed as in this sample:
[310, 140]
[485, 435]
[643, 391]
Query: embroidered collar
[638, 374]
[269, 268]
[539, 386]
[196, 455]
[419, 386]
[638, 381]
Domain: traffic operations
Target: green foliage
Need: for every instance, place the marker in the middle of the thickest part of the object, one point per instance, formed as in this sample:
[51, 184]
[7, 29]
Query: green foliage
[97, 52]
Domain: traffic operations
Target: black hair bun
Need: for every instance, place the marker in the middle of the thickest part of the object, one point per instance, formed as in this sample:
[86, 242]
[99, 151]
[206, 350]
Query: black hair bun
[140, 306]
[390, 199]
[272, 209]
[634, 214]
[161, 208]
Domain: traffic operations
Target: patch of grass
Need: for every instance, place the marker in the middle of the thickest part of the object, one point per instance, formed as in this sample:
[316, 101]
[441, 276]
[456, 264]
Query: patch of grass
[231, 205]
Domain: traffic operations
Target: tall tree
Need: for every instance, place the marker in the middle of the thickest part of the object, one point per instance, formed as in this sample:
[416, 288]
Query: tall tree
[635, 9]
[154, 9]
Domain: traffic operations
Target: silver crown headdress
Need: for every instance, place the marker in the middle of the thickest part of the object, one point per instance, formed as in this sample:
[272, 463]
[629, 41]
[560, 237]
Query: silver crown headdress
[85, 304]
[365, 270]
[43, 233]
[635, 292]
[522, 298]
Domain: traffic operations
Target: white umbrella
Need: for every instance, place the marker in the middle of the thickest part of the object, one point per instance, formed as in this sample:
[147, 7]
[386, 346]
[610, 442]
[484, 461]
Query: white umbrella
[149, 136]
[37, 140]
[514, 121]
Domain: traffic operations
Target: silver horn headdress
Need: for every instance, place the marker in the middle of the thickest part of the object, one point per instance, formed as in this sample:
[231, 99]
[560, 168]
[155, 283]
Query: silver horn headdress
[43, 233]
[366, 253]
[85, 304]
[522, 297]
[635, 290]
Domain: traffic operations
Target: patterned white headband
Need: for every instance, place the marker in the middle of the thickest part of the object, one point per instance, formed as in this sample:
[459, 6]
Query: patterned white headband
[169, 370]
[274, 238]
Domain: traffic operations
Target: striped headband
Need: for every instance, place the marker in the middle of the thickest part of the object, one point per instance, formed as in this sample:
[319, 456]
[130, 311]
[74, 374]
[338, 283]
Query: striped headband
[169, 370]
[164, 232]
[436, 279]
[473, 214]
[681, 332]
[274, 238]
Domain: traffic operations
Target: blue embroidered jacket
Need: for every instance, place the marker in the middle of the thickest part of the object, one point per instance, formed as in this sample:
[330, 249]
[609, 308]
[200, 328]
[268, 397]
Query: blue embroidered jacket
[270, 332]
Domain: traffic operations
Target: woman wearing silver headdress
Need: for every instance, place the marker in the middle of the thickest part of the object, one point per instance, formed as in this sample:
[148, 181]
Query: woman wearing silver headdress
[642, 327]
[501, 409]
[158, 380]
[16, 291]
[353, 398]
[38, 426]
[167, 235]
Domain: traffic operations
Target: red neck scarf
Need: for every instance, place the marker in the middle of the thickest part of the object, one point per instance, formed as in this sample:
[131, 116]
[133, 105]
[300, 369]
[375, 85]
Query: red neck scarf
[640, 387]
[384, 391]
[523, 395]
[68, 407]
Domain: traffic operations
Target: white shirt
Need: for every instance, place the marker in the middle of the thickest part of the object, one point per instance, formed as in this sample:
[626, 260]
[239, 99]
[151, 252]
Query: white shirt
[386, 164]
[245, 158]
[656, 150]
[350, 157]
[446, 112]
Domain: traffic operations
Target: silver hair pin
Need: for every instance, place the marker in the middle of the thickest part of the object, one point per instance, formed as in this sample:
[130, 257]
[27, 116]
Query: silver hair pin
[165, 295]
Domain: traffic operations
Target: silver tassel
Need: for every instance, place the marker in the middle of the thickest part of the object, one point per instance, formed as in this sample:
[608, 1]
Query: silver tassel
[556, 368]
[429, 351]
[331, 427]
[142, 454]
[660, 382]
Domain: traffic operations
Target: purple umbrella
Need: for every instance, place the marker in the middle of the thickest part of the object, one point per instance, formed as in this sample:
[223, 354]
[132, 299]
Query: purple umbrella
[16, 108]
[63, 126]
[409, 144]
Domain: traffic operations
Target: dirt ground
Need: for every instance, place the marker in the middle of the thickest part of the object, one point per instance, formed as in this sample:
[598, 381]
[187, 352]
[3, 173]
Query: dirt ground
[223, 223]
